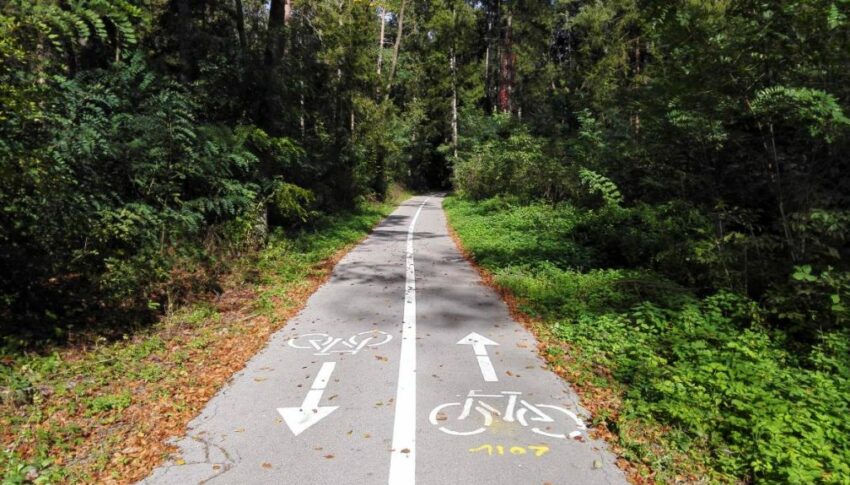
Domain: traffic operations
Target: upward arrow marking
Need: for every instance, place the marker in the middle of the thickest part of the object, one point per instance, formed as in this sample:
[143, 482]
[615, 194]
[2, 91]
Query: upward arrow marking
[479, 345]
[300, 418]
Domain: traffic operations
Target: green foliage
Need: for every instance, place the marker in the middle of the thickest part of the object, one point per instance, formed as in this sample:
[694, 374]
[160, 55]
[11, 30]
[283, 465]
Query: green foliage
[73, 25]
[124, 172]
[602, 186]
[723, 382]
[814, 298]
[110, 402]
[507, 159]
[291, 205]
[815, 110]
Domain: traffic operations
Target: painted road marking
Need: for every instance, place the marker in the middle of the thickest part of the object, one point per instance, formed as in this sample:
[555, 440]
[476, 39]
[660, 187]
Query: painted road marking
[479, 345]
[453, 417]
[499, 450]
[324, 344]
[309, 413]
[403, 454]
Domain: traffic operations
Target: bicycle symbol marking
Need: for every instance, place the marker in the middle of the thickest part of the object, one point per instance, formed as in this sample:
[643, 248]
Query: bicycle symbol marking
[540, 418]
[324, 344]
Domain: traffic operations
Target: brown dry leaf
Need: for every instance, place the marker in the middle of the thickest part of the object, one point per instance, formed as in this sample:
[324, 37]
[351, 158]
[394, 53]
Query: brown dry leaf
[329, 456]
[405, 450]
[267, 465]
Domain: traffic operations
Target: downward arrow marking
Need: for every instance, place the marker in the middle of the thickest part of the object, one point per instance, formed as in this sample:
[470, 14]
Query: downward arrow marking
[479, 345]
[300, 418]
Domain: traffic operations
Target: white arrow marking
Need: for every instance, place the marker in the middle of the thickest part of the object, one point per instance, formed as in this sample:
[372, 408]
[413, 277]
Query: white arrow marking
[479, 345]
[300, 418]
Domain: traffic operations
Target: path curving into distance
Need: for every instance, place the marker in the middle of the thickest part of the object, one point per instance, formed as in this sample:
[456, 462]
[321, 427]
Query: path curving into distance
[403, 368]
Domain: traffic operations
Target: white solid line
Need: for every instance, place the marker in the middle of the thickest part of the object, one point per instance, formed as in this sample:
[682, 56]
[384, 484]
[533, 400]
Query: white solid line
[487, 369]
[403, 457]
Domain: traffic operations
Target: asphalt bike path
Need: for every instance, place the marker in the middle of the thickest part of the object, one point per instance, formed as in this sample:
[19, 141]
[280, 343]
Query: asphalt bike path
[403, 368]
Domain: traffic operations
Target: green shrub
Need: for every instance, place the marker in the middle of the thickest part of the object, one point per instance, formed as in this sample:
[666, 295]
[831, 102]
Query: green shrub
[120, 183]
[508, 160]
[291, 205]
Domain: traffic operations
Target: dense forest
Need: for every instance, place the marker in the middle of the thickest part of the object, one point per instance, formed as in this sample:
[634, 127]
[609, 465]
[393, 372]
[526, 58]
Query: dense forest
[675, 167]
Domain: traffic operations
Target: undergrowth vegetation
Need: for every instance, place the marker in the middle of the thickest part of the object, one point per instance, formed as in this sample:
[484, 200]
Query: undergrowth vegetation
[733, 396]
[100, 410]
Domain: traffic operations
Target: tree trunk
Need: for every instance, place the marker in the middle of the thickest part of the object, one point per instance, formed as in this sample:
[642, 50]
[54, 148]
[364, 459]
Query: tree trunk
[506, 67]
[239, 13]
[396, 47]
[184, 20]
[454, 102]
[487, 90]
[280, 12]
[381, 40]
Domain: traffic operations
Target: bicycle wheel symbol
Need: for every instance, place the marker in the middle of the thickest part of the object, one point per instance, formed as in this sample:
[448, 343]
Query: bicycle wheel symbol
[325, 344]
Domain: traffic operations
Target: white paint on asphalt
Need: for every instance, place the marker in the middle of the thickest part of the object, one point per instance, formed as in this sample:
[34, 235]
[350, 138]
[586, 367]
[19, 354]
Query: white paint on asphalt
[479, 345]
[403, 457]
[324, 344]
[451, 417]
[300, 418]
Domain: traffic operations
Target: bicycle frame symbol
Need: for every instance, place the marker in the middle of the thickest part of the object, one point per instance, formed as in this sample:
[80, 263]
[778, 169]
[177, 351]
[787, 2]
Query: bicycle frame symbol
[516, 410]
[324, 344]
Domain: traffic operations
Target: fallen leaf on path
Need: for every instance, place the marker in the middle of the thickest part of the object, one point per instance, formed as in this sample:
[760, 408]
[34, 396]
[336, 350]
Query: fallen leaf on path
[329, 456]
[267, 465]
